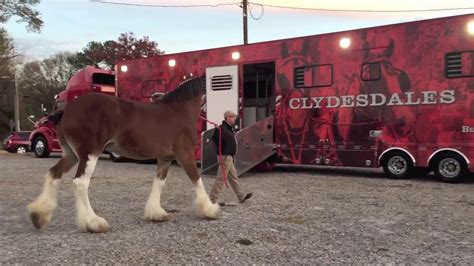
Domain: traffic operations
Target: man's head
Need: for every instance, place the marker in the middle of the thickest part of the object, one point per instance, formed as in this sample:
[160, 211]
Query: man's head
[229, 117]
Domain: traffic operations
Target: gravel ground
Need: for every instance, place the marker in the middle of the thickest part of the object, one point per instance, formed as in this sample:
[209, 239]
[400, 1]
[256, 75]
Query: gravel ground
[297, 216]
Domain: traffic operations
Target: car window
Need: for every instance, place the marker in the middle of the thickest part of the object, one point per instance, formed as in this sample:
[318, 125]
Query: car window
[24, 135]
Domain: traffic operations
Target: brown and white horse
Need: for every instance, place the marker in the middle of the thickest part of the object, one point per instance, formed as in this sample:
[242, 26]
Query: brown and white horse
[164, 130]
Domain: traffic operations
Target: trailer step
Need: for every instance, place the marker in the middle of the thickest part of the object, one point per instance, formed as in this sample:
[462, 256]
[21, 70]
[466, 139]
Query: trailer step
[254, 145]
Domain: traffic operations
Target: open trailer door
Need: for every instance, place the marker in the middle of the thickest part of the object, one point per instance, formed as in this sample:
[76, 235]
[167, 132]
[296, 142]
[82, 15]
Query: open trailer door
[222, 92]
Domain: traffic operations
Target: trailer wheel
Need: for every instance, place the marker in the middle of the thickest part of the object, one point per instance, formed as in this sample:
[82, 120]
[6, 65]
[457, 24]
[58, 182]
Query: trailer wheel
[397, 165]
[449, 167]
[268, 164]
[116, 157]
[40, 147]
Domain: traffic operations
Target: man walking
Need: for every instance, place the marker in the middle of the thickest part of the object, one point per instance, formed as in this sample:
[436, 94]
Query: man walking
[226, 166]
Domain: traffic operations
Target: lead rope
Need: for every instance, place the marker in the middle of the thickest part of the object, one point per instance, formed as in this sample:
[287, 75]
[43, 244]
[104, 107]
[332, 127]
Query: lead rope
[224, 171]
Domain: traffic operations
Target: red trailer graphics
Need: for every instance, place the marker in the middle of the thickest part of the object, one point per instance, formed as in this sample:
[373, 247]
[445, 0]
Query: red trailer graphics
[399, 96]
[43, 138]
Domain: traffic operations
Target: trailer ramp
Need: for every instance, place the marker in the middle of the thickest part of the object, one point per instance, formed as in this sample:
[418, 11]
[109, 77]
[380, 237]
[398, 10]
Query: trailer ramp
[254, 145]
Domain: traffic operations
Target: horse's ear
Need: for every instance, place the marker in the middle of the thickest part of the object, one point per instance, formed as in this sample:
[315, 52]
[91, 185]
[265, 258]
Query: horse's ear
[284, 51]
[365, 48]
[404, 81]
[283, 81]
[305, 48]
[389, 51]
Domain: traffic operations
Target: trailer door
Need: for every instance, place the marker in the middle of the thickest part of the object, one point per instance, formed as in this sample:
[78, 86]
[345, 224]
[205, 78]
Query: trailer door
[222, 92]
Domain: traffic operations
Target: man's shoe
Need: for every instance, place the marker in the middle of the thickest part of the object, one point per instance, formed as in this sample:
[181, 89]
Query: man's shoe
[248, 196]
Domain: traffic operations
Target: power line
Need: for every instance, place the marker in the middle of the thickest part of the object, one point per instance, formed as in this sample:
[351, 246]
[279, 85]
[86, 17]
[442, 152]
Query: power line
[288, 7]
[365, 10]
[164, 6]
[261, 12]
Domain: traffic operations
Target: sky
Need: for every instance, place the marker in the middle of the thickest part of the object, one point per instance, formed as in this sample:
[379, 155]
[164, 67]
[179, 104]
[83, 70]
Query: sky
[69, 25]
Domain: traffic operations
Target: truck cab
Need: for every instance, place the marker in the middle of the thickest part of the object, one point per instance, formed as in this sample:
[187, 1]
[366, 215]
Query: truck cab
[89, 79]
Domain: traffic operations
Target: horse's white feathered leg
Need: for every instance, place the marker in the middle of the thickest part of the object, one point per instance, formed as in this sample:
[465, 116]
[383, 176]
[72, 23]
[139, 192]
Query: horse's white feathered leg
[204, 205]
[153, 209]
[87, 220]
[42, 208]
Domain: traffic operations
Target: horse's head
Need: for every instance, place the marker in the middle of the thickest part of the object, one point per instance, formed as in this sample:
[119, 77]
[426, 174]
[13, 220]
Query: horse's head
[393, 80]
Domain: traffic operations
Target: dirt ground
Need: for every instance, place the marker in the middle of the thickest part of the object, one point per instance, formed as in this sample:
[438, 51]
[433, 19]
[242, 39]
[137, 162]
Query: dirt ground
[297, 216]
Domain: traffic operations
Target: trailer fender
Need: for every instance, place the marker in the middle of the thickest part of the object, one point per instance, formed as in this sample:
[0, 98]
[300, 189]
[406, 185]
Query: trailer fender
[397, 149]
[448, 149]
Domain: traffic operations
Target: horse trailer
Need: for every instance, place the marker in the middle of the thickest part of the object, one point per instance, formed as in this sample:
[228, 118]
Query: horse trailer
[397, 96]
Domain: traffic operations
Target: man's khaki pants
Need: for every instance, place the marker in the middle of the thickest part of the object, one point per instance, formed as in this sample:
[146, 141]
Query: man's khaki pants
[227, 165]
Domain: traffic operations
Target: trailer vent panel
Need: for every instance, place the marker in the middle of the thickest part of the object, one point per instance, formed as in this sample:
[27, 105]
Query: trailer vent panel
[299, 77]
[313, 76]
[371, 71]
[221, 82]
[459, 64]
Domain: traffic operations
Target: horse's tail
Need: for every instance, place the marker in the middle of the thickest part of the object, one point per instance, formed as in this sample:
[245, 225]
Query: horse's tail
[56, 117]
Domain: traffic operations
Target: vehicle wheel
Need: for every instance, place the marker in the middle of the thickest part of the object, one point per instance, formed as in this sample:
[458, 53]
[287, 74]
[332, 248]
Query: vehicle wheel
[40, 147]
[397, 165]
[450, 167]
[116, 157]
[268, 164]
[21, 150]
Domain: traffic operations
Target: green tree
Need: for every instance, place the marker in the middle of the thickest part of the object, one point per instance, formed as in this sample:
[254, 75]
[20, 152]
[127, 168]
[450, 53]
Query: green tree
[6, 81]
[6, 59]
[106, 54]
[24, 11]
[41, 80]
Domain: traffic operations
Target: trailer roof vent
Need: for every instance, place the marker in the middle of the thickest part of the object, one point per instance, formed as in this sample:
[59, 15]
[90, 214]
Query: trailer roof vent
[453, 65]
[459, 64]
[221, 82]
[299, 77]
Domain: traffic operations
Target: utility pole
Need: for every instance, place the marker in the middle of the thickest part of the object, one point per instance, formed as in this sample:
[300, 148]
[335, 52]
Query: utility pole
[17, 104]
[244, 7]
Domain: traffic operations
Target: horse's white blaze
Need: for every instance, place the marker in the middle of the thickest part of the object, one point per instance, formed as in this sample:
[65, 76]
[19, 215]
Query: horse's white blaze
[87, 220]
[47, 201]
[204, 204]
[153, 209]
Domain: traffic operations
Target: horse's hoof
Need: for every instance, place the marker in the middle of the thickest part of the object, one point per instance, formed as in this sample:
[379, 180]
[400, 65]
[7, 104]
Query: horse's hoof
[96, 225]
[210, 212]
[39, 221]
[160, 219]
[157, 216]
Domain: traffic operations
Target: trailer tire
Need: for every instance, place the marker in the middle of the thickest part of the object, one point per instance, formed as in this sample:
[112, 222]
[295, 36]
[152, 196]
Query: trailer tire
[115, 157]
[397, 165]
[268, 164]
[40, 147]
[449, 167]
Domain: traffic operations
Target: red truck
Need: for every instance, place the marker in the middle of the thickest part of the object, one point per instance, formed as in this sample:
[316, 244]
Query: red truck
[17, 142]
[398, 96]
[43, 138]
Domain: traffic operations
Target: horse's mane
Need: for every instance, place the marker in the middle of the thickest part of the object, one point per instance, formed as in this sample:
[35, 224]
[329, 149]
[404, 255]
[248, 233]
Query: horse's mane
[185, 91]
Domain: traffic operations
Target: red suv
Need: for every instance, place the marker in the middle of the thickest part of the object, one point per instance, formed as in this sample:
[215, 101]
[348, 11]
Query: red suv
[17, 142]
